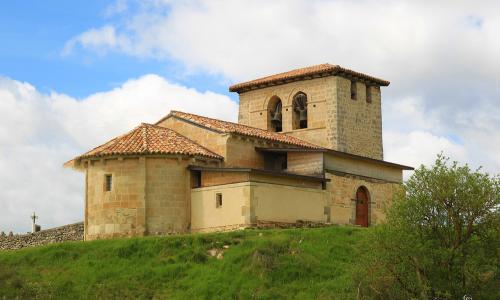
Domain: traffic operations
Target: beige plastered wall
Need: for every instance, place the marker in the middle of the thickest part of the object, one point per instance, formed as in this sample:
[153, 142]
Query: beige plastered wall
[234, 212]
[281, 203]
[246, 203]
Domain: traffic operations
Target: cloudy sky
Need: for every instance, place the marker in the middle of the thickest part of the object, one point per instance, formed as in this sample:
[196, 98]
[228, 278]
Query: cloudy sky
[73, 75]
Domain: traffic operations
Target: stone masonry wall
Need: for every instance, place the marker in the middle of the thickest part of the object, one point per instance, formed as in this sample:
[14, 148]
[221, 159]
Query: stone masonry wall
[342, 197]
[167, 195]
[359, 123]
[121, 211]
[334, 119]
[209, 139]
[72, 232]
[254, 110]
[305, 163]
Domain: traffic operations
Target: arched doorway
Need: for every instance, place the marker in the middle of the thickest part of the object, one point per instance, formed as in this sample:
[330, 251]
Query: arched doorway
[362, 207]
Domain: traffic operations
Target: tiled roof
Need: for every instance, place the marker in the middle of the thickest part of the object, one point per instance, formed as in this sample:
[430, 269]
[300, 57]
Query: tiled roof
[312, 71]
[229, 127]
[150, 139]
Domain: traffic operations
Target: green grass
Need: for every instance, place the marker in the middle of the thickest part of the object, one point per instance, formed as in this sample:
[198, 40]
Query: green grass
[259, 264]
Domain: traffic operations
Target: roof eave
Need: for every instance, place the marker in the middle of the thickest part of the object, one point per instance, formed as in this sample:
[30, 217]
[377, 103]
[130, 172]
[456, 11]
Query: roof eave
[259, 171]
[373, 160]
[75, 162]
[335, 71]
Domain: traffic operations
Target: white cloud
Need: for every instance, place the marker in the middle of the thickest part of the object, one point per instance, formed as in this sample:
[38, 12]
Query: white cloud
[117, 7]
[244, 39]
[39, 132]
[100, 40]
[420, 147]
[441, 56]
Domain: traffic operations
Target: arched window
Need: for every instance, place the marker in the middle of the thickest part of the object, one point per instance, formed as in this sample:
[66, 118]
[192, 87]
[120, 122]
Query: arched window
[274, 108]
[299, 117]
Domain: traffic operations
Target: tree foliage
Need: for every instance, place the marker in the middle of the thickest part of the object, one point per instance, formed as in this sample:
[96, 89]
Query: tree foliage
[440, 240]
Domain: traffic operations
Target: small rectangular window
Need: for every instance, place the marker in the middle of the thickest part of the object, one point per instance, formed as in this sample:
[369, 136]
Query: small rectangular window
[354, 90]
[368, 94]
[218, 200]
[108, 185]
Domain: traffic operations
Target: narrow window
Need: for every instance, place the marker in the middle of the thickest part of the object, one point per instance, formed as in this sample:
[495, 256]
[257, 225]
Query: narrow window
[108, 182]
[218, 200]
[299, 117]
[368, 94]
[354, 90]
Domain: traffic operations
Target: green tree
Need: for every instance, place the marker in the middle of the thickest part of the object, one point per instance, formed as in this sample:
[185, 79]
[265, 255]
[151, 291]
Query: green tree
[440, 239]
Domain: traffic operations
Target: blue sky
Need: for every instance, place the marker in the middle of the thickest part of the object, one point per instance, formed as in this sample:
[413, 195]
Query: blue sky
[33, 40]
[74, 74]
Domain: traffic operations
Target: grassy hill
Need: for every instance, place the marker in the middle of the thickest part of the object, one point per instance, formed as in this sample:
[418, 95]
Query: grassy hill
[263, 264]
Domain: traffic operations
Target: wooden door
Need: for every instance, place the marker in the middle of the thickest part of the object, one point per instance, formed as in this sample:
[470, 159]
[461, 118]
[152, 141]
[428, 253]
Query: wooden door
[362, 207]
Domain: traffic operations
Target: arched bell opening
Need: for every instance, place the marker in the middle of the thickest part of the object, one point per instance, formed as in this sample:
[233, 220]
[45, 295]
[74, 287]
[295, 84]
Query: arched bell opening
[299, 117]
[274, 108]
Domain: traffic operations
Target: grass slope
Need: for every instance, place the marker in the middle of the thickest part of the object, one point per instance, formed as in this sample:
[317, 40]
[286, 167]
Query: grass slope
[261, 264]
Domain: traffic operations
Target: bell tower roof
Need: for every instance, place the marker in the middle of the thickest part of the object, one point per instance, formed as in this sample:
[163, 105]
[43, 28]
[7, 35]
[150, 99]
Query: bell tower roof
[311, 72]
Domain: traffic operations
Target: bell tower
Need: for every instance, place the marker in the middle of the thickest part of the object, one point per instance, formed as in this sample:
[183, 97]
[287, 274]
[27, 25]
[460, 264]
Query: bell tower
[326, 105]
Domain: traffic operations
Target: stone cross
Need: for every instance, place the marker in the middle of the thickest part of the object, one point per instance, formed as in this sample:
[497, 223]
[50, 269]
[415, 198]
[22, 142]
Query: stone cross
[33, 226]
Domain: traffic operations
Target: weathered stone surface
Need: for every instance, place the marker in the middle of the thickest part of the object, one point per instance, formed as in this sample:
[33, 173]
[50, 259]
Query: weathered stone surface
[334, 120]
[71, 232]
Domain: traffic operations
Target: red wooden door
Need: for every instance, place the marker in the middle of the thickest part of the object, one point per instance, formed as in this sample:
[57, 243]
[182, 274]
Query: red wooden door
[362, 207]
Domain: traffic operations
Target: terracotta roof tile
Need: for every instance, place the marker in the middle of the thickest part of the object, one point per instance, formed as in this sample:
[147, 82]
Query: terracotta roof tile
[150, 139]
[297, 74]
[230, 127]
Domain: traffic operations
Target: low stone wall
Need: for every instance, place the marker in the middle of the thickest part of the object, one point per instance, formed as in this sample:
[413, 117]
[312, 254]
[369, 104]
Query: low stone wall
[299, 224]
[71, 232]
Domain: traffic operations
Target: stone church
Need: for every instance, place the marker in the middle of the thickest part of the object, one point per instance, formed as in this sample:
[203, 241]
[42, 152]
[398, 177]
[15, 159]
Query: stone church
[307, 148]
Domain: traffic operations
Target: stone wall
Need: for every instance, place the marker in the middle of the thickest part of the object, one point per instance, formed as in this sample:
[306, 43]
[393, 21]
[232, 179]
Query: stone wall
[359, 122]
[220, 178]
[72, 232]
[334, 119]
[121, 211]
[210, 139]
[305, 163]
[167, 195]
[341, 197]
[254, 109]
[363, 168]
